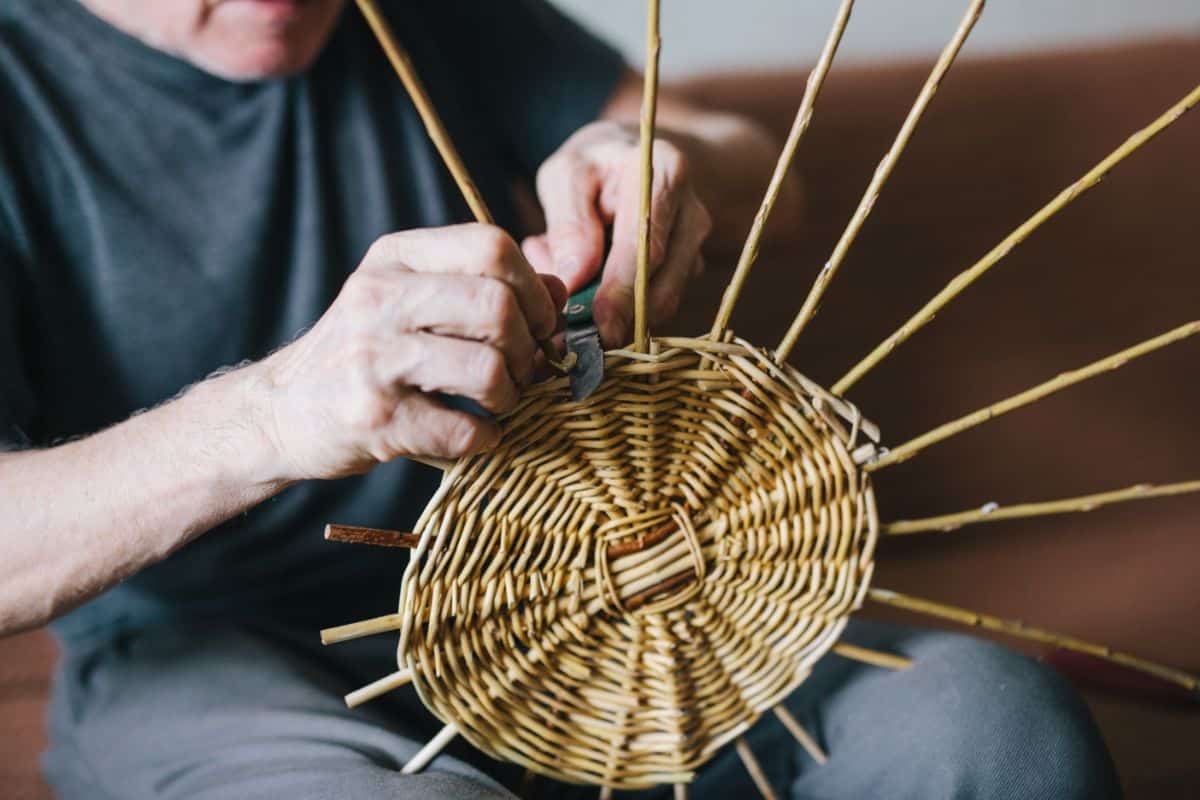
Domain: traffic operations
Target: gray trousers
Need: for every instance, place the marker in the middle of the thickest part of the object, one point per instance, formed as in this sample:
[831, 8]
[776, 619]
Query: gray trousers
[242, 714]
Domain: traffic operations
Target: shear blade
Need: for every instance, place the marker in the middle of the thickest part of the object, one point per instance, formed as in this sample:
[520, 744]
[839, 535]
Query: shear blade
[588, 371]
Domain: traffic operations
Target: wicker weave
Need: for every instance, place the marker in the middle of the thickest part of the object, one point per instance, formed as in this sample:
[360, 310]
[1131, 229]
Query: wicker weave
[627, 583]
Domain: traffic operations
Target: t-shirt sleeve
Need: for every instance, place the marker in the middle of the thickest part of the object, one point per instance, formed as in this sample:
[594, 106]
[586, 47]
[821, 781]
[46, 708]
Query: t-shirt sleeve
[542, 75]
[16, 394]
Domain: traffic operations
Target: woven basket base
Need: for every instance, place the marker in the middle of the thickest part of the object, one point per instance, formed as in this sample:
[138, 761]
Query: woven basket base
[626, 584]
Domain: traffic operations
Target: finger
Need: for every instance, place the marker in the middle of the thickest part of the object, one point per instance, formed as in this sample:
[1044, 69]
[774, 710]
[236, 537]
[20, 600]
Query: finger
[557, 289]
[568, 188]
[452, 366]
[422, 426]
[537, 253]
[683, 261]
[471, 249]
[467, 307]
[613, 307]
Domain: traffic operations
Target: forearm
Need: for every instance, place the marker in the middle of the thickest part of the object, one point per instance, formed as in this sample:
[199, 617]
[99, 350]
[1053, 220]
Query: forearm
[83, 516]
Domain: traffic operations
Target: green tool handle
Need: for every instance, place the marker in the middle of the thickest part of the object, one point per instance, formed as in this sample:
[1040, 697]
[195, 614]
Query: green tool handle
[579, 305]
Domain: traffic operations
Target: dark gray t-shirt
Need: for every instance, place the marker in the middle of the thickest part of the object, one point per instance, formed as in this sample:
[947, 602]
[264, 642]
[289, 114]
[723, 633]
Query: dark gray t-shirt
[157, 223]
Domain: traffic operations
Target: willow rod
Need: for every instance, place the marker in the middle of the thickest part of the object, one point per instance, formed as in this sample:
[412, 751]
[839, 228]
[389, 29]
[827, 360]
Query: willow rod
[994, 513]
[812, 90]
[641, 285]
[356, 534]
[365, 627]
[429, 115]
[882, 173]
[802, 736]
[970, 275]
[378, 688]
[875, 658]
[1019, 630]
[440, 137]
[430, 751]
[1064, 380]
[755, 769]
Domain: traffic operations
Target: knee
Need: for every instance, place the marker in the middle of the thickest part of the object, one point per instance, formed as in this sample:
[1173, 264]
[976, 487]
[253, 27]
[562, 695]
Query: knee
[1007, 726]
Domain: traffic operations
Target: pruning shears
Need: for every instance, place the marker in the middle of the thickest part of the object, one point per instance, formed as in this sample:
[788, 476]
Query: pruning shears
[583, 340]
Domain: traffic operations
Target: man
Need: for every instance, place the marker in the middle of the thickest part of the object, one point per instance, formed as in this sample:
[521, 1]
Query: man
[185, 186]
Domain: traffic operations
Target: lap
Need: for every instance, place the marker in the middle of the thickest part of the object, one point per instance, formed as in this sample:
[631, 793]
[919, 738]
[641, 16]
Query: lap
[970, 719]
[205, 714]
[219, 713]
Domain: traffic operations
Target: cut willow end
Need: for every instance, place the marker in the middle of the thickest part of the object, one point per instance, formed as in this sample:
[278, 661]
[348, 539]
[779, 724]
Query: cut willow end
[802, 736]
[430, 751]
[997, 253]
[646, 178]
[755, 769]
[407, 73]
[882, 173]
[681, 791]
[1062, 381]
[812, 90]
[380, 687]
[366, 627]
[356, 534]
[994, 513]
[1019, 630]
[875, 658]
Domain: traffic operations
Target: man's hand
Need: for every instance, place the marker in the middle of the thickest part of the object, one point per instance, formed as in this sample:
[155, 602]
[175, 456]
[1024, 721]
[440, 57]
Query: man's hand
[591, 183]
[452, 310]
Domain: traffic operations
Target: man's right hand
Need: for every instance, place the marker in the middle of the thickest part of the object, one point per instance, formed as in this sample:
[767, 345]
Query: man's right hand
[456, 310]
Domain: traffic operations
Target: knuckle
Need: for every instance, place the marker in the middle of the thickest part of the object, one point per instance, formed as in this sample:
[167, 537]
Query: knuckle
[383, 249]
[494, 245]
[462, 434]
[672, 161]
[552, 170]
[498, 304]
[491, 373]
[366, 407]
[489, 369]
[562, 168]
[366, 291]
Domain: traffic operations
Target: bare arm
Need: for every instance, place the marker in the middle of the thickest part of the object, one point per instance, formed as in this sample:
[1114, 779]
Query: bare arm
[83, 516]
[452, 310]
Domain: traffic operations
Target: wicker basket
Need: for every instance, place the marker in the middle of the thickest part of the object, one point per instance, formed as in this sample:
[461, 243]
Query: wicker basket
[626, 584]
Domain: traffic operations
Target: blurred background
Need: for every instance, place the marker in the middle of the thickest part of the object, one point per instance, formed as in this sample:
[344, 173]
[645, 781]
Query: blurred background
[707, 35]
[1044, 89]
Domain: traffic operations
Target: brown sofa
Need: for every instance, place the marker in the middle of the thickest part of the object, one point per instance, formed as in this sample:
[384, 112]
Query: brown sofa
[1000, 139]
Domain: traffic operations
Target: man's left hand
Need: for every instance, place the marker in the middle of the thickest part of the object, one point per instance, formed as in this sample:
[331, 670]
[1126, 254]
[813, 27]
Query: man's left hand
[592, 183]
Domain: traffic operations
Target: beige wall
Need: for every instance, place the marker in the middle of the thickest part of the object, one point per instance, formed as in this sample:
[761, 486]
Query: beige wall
[706, 34]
